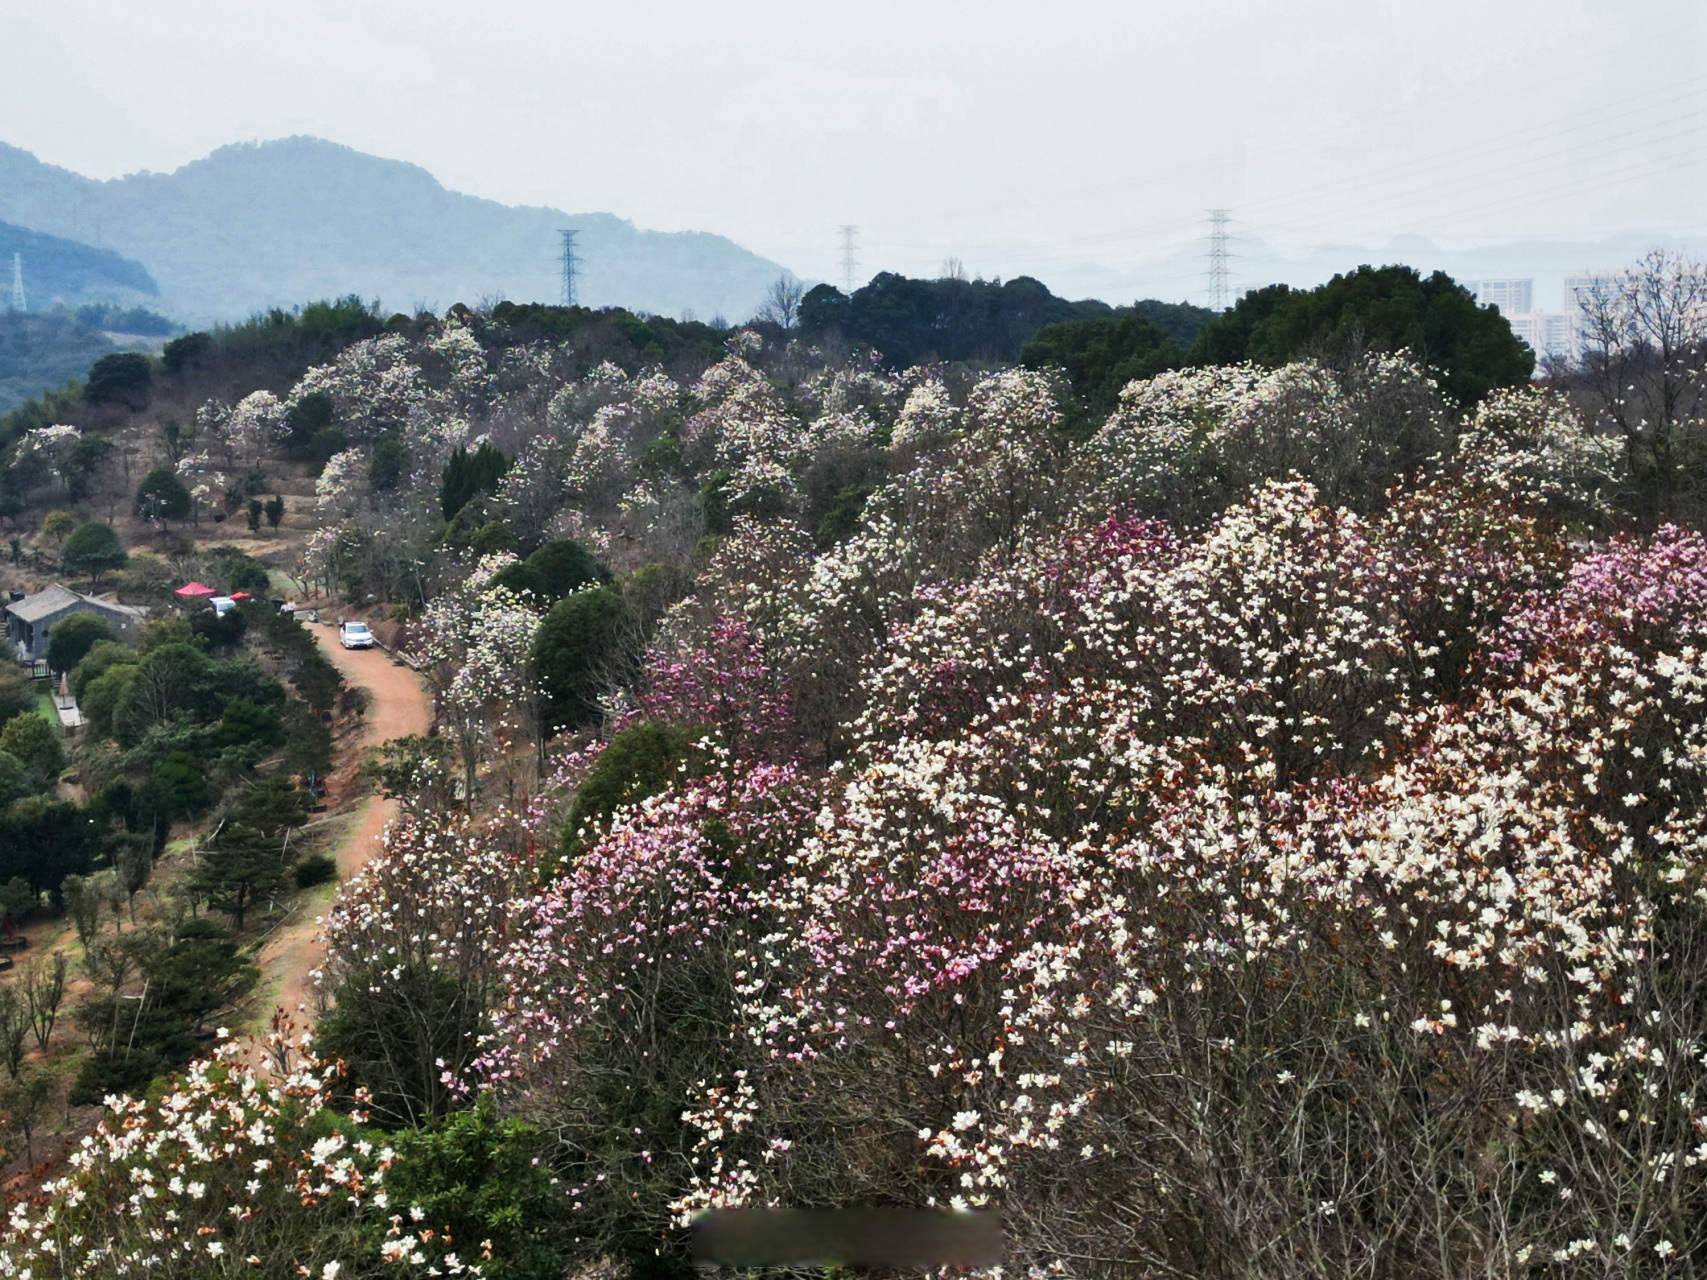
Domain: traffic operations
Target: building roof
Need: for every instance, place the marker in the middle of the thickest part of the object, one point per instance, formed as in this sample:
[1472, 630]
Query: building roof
[58, 598]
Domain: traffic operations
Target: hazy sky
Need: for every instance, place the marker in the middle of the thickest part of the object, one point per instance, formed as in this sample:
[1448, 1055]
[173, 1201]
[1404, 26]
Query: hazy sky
[1012, 134]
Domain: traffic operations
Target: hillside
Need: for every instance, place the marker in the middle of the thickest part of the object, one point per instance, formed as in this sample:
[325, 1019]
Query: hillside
[60, 272]
[262, 225]
[866, 767]
[82, 302]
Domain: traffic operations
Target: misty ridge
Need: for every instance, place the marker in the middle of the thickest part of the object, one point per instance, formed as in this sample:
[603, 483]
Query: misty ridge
[260, 225]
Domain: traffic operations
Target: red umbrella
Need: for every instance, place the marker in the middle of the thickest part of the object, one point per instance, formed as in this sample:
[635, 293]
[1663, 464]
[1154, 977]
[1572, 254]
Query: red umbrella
[194, 591]
[241, 595]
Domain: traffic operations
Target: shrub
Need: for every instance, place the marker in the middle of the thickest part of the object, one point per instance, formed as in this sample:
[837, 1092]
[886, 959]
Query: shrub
[578, 648]
[16, 696]
[35, 744]
[71, 639]
[315, 869]
[162, 496]
[639, 762]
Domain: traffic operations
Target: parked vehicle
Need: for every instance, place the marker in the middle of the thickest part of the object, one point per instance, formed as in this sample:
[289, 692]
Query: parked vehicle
[222, 605]
[354, 635]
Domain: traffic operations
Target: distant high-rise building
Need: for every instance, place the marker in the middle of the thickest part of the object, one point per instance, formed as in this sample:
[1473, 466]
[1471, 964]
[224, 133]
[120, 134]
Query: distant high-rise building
[17, 301]
[1514, 297]
[1580, 287]
[1548, 333]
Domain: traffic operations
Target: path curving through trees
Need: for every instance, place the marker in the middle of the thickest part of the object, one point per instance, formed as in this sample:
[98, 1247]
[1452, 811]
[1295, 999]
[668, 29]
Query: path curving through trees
[400, 706]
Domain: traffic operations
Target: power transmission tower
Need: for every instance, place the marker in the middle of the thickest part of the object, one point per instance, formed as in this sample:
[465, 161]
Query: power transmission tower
[1218, 260]
[18, 282]
[850, 237]
[571, 266]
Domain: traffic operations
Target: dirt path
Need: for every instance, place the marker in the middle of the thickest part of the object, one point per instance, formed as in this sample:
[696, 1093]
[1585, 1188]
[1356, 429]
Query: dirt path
[400, 707]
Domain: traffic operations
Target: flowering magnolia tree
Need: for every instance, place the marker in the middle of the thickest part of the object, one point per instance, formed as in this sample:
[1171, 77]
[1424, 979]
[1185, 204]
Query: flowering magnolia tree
[230, 1171]
[477, 640]
[411, 956]
[42, 454]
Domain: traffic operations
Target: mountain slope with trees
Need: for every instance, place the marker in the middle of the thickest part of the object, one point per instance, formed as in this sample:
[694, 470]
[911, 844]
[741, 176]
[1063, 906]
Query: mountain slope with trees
[255, 226]
[1261, 832]
[66, 273]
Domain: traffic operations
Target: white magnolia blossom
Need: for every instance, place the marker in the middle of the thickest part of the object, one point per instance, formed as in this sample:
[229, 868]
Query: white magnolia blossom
[477, 641]
[48, 446]
[336, 489]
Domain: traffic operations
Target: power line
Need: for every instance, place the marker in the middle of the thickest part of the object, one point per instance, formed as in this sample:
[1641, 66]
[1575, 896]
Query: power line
[571, 266]
[1659, 98]
[1594, 136]
[850, 237]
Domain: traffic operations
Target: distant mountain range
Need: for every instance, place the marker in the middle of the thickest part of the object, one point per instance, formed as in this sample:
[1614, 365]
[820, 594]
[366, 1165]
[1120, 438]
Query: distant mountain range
[258, 225]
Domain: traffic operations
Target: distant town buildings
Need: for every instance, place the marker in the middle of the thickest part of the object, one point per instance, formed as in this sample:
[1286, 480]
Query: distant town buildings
[1512, 297]
[1548, 333]
[1557, 334]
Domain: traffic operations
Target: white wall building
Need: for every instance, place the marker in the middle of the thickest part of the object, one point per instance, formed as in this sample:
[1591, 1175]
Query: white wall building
[1548, 333]
[1514, 297]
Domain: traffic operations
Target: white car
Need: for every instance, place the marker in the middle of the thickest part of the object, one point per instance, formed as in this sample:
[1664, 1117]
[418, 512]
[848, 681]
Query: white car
[355, 635]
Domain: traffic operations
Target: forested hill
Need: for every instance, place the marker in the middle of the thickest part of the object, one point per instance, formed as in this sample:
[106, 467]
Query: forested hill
[254, 226]
[910, 320]
[61, 272]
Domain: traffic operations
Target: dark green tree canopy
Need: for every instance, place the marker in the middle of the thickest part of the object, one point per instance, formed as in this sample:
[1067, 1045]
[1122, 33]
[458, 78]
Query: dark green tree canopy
[239, 870]
[178, 786]
[44, 840]
[911, 321]
[102, 656]
[1101, 356]
[243, 723]
[16, 696]
[122, 378]
[1380, 309]
[35, 744]
[72, 637]
[162, 496]
[85, 461]
[184, 354]
[307, 418]
[93, 549]
[387, 464]
[578, 645]
[640, 761]
[467, 474]
[16, 781]
[553, 571]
